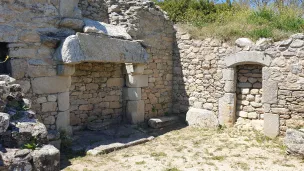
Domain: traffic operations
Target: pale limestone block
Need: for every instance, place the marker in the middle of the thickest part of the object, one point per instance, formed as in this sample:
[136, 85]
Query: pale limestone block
[136, 111]
[132, 93]
[63, 101]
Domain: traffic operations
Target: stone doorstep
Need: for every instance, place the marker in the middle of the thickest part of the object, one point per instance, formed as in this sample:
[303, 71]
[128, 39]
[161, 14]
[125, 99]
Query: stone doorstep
[103, 149]
[162, 121]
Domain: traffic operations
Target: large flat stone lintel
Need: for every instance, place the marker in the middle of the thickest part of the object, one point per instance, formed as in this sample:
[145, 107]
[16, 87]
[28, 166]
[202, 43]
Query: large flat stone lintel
[99, 48]
[247, 57]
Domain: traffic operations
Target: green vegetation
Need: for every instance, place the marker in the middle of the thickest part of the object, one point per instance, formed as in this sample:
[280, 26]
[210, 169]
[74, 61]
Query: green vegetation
[228, 21]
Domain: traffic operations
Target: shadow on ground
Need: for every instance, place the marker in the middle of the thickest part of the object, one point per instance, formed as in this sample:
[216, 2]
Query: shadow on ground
[117, 137]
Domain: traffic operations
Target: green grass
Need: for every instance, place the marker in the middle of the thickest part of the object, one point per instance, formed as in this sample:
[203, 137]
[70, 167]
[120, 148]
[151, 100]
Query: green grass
[204, 19]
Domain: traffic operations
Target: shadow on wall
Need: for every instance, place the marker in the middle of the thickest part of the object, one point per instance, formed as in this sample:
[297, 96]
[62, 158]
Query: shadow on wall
[180, 96]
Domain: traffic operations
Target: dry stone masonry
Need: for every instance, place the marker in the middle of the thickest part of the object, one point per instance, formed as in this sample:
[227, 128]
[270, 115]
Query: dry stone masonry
[95, 63]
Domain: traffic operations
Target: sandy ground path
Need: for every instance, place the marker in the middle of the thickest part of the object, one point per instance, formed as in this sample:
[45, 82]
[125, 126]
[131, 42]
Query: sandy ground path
[191, 149]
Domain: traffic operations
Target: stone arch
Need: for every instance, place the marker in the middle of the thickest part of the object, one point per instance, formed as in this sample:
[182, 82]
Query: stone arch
[247, 57]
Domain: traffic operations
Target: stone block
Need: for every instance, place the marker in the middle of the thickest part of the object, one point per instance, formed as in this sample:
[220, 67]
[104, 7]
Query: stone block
[115, 82]
[136, 111]
[247, 57]
[46, 158]
[132, 93]
[41, 71]
[50, 85]
[64, 101]
[63, 122]
[68, 8]
[227, 109]
[229, 74]
[135, 69]
[271, 125]
[49, 107]
[92, 26]
[230, 87]
[52, 98]
[270, 92]
[202, 118]
[100, 48]
[137, 81]
[65, 70]
[162, 121]
[72, 23]
[294, 141]
[198, 105]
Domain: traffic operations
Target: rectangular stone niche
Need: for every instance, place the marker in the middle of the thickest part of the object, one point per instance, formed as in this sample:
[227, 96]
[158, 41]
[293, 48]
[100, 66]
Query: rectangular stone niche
[249, 92]
[96, 93]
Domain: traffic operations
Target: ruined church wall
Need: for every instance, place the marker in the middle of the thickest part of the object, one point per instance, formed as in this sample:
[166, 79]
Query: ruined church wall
[94, 9]
[148, 23]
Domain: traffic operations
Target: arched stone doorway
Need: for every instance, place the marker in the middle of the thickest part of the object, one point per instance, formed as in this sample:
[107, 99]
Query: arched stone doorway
[228, 103]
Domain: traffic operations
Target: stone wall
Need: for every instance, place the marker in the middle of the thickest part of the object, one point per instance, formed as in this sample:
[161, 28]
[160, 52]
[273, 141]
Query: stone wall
[198, 72]
[96, 93]
[148, 23]
[249, 92]
[94, 9]
[208, 74]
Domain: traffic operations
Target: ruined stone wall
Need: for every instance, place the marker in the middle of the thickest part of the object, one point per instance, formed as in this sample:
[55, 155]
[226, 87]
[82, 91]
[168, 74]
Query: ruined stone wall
[94, 9]
[146, 22]
[197, 74]
[96, 93]
[208, 74]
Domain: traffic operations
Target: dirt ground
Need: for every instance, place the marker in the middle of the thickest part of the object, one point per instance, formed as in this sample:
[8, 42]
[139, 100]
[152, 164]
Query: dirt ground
[191, 149]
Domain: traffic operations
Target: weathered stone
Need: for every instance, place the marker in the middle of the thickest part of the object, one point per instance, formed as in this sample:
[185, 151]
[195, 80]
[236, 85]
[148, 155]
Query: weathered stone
[294, 141]
[271, 125]
[136, 111]
[49, 107]
[99, 48]
[202, 118]
[132, 93]
[230, 87]
[227, 109]
[115, 82]
[270, 92]
[4, 122]
[46, 158]
[24, 132]
[229, 74]
[64, 101]
[243, 114]
[63, 122]
[247, 57]
[135, 69]
[162, 121]
[52, 98]
[252, 115]
[65, 70]
[208, 106]
[49, 85]
[92, 26]
[243, 42]
[72, 23]
[137, 80]
[69, 8]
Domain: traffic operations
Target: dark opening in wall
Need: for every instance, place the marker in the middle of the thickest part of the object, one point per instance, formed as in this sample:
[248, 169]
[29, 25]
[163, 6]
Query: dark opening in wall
[4, 62]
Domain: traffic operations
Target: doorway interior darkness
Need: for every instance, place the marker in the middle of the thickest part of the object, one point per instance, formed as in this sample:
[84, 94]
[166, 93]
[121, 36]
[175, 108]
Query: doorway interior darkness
[4, 68]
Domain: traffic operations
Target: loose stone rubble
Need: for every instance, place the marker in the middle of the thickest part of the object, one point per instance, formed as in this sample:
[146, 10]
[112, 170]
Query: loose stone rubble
[22, 136]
